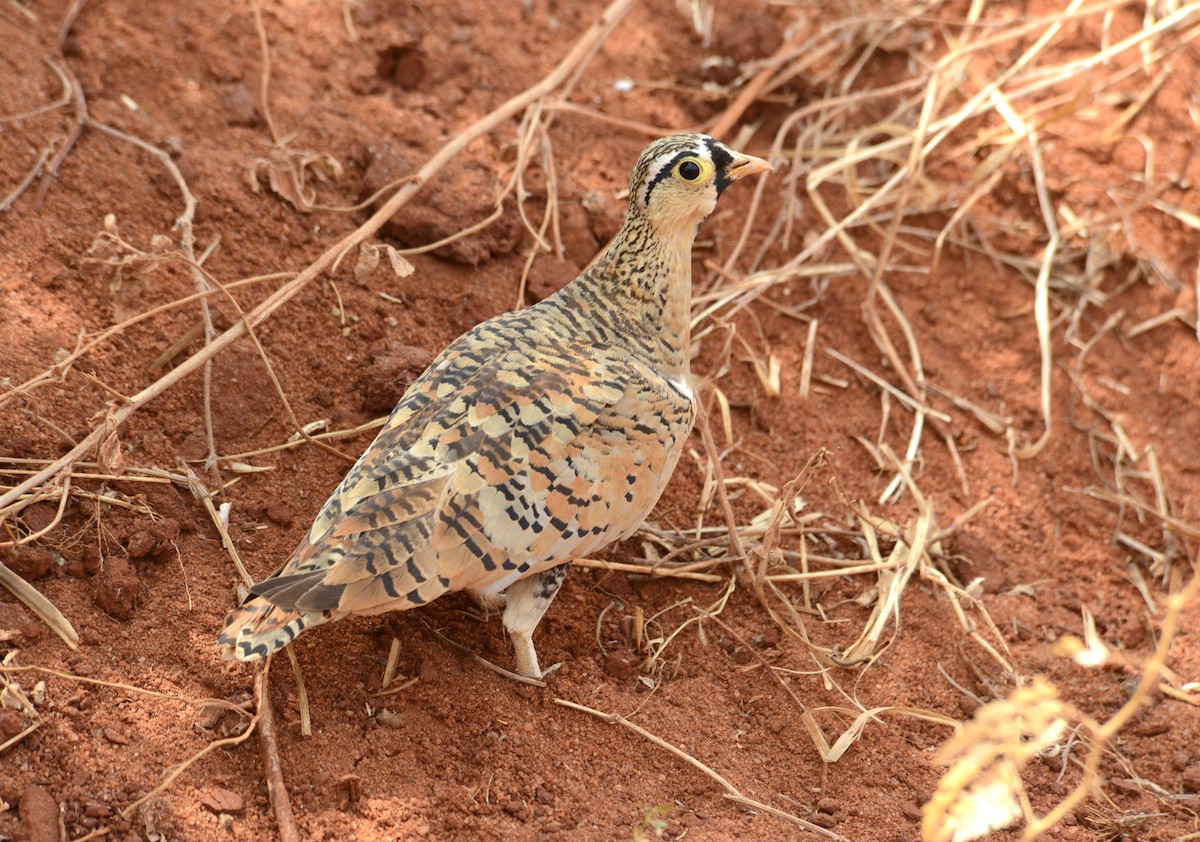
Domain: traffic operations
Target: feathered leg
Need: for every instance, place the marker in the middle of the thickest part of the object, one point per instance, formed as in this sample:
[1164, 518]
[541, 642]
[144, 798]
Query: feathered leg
[526, 602]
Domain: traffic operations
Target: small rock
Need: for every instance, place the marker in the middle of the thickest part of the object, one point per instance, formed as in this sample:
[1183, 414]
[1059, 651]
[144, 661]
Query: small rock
[548, 275]
[1152, 729]
[97, 811]
[39, 516]
[222, 801]
[152, 537]
[17, 618]
[403, 66]
[392, 368]
[116, 736]
[239, 104]
[517, 810]
[1133, 635]
[824, 820]
[39, 815]
[543, 796]
[30, 563]
[117, 588]
[21, 446]
[621, 665]
[1125, 785]
[279, 514]
[1191, 778]
[11, 724]
[911, 812]
[141, 544]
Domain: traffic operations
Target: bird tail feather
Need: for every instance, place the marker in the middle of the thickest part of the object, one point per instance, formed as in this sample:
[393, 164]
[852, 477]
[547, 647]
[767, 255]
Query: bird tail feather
[257, 628]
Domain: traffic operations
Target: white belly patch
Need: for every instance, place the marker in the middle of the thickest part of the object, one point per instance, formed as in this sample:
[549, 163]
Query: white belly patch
[680, 385]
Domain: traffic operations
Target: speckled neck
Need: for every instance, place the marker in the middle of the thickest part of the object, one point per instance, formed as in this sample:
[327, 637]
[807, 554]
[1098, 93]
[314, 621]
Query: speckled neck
[639, 294]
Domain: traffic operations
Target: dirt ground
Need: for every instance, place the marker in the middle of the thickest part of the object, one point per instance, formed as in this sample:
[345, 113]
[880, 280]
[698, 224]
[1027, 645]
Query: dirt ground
[366, 92]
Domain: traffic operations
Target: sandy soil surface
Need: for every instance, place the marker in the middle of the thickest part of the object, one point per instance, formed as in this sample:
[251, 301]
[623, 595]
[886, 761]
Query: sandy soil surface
[364, 93]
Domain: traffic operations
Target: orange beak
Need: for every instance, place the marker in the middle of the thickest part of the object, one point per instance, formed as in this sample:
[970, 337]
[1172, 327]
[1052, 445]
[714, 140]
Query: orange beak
[744, 165]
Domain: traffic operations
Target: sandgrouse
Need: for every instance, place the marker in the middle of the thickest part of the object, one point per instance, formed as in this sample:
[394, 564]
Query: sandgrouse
[538, 437]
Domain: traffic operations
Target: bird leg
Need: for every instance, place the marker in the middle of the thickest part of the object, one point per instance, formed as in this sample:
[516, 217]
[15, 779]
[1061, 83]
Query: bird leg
[526, 601]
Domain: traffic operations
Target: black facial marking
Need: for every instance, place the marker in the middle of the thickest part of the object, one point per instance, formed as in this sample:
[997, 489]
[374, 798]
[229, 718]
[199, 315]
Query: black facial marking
[722, 159]
[666, 171]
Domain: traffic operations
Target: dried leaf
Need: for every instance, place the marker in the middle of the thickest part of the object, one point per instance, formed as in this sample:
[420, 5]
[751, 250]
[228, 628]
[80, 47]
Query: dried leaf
[222, 801]
[982, 790]
[287, 174]
[112, 457]
[400, 264]
[367, 263]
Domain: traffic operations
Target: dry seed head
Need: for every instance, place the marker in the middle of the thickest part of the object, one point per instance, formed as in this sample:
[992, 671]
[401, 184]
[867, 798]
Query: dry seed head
[982, 790]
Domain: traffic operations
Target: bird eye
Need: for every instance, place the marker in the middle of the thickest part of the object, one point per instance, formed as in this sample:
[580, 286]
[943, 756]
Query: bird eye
[689, 170]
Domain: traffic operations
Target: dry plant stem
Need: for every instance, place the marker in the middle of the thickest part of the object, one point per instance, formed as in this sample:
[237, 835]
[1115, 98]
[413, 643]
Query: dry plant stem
[750, 91]
[731, 792]
[128, 688]
[263, 717]
[264, 86]
[586, 45]
[59, 369]
[280, 393]
[714, 457]
[81, 119]
[187, 243]
[63, 100]
[68, 23]
[479, 659]
[176, 771]
[1151, 672]
[284, 818]
[64, 494]
[29, 178]
[41, 606]
[653, 572]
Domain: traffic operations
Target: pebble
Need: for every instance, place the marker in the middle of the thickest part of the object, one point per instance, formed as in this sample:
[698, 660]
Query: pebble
[1191, 778]
[222, 800]
[823, 820]
[1152, 729]
[11, 724]
[39, 815]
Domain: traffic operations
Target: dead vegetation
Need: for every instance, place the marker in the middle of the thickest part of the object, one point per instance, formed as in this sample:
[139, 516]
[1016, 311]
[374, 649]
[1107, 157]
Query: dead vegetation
[867, 194]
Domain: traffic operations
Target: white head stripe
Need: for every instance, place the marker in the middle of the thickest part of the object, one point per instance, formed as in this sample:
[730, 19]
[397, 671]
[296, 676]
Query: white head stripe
[663, 161]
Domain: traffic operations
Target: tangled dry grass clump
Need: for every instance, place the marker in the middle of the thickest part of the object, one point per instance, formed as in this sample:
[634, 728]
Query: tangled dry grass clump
[870, 163]
[875, 184]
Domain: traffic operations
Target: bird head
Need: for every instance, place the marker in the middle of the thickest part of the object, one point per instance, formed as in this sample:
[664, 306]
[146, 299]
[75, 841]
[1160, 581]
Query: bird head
[677, 180]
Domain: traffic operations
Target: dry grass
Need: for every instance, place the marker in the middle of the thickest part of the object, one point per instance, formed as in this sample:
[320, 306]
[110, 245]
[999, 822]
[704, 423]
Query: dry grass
[874, 185]
[862, 199]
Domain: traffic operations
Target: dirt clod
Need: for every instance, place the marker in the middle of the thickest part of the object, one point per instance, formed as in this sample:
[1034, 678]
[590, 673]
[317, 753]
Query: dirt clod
[1190, 778]
[548, 275]
[462, 194]
[279, 514]
[39, 815]
[30, 563]
[392, 368]
[11, 724]
[222, 801]
[117, 588]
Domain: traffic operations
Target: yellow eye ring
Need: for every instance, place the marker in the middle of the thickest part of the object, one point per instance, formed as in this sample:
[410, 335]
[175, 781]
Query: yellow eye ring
[693, 169]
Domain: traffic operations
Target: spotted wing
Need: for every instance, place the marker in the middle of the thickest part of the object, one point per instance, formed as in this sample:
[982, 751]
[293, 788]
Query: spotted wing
[528, 460]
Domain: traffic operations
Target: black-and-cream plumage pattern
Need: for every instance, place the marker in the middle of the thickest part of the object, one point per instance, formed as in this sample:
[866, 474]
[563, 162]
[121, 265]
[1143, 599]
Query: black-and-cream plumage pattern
[538, 437]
